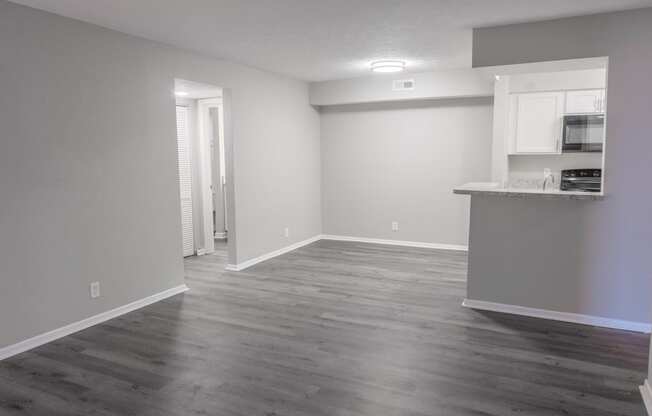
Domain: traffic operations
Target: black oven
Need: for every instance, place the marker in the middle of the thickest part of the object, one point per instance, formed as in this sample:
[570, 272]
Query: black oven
[583, 133]
[585, 180]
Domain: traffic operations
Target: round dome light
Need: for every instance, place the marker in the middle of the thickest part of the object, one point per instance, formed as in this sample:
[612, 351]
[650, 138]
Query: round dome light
[387, 66]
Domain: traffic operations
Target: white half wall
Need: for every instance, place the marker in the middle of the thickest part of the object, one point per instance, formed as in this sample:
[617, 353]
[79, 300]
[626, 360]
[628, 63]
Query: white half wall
[646, 388]
[399, 162]
[88, 167]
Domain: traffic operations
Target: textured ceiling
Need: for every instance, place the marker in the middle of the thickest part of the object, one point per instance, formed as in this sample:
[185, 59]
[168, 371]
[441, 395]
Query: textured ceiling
[322, 39]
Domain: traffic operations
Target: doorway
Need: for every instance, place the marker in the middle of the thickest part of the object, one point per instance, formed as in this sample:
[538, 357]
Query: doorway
[211, 115]
[202, 167]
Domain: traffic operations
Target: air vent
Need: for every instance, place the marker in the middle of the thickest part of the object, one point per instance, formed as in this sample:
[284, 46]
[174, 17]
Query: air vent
[403, 85]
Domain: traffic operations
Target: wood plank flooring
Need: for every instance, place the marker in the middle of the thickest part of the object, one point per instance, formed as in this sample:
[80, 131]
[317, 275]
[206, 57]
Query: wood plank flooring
[334, 328]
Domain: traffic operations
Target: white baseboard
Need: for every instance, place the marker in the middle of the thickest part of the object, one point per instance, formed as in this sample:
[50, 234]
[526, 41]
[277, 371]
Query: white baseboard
[437, 246]
[646, 392]
[53, 335]
[241, 266]
[559, 316]
[203, 252]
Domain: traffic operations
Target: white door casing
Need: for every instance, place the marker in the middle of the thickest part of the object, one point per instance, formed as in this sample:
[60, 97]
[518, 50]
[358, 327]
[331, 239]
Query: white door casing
[206, 169]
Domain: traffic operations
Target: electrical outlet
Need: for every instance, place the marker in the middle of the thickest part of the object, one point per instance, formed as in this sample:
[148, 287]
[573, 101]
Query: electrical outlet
[286, 232]
[95, 290]
[394, 225]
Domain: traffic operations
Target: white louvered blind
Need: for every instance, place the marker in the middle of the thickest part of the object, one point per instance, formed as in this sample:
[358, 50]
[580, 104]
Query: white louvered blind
[185, 180]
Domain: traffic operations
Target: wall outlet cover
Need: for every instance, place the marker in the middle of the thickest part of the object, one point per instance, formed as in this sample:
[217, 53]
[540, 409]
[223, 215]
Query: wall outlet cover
[95, 290]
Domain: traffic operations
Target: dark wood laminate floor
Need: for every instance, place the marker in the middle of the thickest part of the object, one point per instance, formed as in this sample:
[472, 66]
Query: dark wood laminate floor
[334, 328]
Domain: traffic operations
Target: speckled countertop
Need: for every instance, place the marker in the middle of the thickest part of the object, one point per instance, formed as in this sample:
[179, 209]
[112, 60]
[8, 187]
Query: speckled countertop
[493, 189]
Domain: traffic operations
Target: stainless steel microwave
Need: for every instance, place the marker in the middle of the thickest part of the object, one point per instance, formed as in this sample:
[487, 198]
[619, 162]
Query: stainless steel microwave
[583, 133]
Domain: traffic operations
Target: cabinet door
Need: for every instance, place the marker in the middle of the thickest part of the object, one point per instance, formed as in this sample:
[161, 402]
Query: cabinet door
[587, 101]
[537, 120]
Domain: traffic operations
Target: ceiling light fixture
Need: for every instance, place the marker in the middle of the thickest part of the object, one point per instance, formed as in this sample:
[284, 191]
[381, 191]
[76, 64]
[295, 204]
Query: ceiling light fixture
[388, 66]
[181, 93]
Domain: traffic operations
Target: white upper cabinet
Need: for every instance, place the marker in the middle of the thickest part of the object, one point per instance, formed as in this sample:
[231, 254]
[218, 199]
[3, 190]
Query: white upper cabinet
[585, 101]
[536, 122]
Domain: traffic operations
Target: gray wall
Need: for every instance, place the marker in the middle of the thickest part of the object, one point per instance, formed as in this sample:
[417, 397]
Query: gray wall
[88, 169]
[379, 88]
[399, 162]
[609, 273]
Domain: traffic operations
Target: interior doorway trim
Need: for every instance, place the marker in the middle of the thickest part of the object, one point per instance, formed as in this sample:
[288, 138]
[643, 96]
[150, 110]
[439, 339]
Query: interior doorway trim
[206, 171]
[646, 392]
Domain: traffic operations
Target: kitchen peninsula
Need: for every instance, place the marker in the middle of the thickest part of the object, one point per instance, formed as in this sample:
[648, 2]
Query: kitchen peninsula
[513, 267]
[494, 189]
[532, 233]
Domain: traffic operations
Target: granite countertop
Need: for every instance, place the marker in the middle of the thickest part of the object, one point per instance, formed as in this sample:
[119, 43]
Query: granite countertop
[494, 189]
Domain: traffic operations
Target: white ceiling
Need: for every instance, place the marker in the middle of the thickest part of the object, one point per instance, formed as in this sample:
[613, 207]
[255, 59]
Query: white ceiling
[322, 39]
